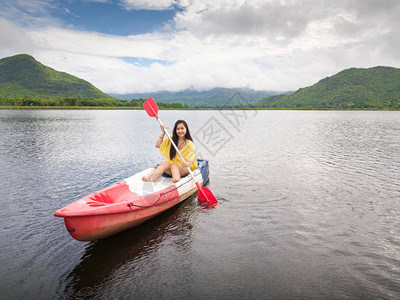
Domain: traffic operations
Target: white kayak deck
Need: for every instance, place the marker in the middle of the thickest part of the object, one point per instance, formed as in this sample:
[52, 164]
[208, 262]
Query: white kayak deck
[140, 187]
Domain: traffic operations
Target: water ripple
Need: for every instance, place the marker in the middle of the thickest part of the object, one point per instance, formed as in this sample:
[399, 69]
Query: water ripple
[309, 208]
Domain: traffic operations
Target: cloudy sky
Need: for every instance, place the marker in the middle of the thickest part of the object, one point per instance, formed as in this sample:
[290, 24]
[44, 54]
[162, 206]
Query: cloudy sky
[128, 46]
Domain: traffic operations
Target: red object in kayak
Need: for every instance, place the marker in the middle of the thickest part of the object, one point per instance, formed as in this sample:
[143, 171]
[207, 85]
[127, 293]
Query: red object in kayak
[127, 204]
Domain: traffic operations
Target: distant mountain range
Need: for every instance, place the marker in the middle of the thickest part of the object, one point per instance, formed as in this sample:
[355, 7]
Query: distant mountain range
[26, 82]
[23, 76]
[214, 97]
[355, 88]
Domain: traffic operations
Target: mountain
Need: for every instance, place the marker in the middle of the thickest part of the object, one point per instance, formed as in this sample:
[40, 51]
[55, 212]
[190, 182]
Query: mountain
[22, 76]
[214, 97]
[355, 88]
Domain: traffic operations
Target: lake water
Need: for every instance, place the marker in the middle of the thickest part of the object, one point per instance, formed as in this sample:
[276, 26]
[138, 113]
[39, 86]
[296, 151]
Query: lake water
[310, 206]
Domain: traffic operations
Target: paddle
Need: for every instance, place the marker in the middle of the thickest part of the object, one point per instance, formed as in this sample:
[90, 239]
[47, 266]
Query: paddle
[205, 195]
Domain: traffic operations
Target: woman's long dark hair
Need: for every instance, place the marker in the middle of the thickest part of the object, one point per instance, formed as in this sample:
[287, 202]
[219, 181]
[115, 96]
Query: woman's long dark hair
[172, 151]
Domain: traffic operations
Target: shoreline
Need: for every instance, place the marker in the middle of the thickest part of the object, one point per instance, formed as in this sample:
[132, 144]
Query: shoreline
[188, 108]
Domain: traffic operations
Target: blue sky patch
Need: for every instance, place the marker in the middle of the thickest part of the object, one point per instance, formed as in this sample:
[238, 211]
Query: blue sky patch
[110, 18]
[144, 62]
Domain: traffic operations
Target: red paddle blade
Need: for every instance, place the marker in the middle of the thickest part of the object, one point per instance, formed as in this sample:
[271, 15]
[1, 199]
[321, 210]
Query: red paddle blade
[206, 196]
[151, 107]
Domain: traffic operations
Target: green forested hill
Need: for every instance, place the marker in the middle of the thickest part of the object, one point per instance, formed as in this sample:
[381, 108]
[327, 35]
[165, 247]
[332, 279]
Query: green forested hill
[355, 88]
[21, 76]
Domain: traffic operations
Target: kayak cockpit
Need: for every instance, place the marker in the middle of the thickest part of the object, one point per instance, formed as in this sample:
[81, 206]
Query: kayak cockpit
[114, 194]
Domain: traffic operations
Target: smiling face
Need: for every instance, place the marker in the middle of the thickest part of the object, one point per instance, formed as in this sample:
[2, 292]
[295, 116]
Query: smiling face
[181, 130]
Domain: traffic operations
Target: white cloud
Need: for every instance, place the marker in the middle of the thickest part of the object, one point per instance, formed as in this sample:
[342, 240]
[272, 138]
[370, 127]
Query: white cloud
[29, 13]
[274, 45]
[13, 39]
[91, 43]
[147, 4]
[32, 6]
[273, 19]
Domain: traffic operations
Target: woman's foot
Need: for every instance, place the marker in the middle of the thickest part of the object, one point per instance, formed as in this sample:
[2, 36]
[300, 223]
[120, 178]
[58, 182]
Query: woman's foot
[144, 178]
[174, 180]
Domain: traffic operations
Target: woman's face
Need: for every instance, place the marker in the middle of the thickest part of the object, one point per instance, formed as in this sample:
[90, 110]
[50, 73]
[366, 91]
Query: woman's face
[181, 130]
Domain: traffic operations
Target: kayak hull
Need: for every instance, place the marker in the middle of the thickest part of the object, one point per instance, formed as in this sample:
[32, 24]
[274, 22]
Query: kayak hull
[127, 204]
[90, 228]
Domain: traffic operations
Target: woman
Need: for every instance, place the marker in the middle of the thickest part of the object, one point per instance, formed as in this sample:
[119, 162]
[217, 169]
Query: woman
[174, 165]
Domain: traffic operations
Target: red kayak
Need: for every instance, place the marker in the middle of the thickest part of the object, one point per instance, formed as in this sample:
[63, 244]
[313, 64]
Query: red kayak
[127, 204]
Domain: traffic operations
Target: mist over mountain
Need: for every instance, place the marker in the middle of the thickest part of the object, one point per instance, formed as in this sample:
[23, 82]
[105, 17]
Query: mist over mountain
[213, 97]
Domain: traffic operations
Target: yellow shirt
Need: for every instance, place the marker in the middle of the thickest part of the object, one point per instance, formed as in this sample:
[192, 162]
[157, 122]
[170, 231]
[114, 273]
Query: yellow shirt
[188, 152]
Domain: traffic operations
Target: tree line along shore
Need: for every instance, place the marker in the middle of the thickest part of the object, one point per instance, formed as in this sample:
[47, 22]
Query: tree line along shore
[94, 103]
[81, 102]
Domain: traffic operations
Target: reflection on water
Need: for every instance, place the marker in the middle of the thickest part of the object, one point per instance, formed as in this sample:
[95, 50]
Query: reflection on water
[310, 208]
[103, 260]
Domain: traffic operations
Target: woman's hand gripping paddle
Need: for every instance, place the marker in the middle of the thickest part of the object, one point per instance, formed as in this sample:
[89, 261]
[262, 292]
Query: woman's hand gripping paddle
[205, 195]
